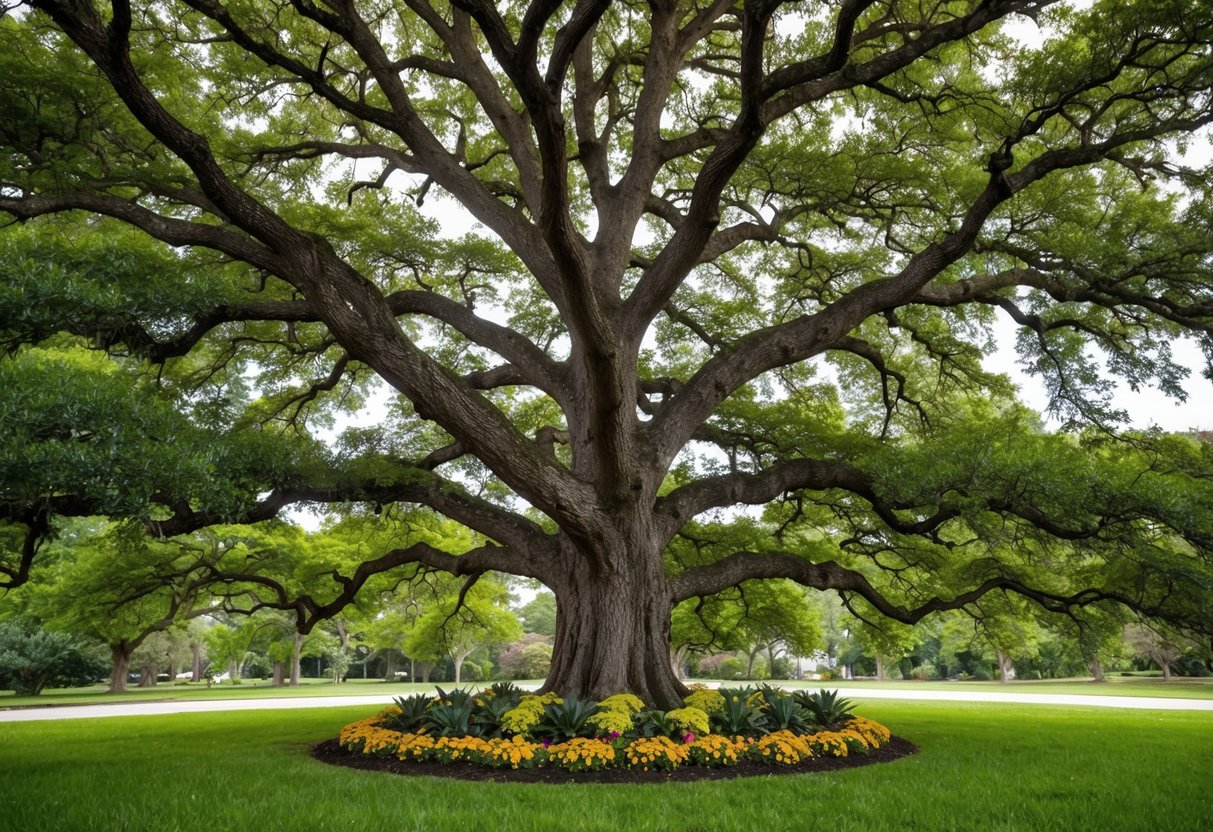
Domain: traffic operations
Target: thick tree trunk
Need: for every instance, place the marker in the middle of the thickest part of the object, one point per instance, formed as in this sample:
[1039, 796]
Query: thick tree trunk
[278, 675]
[389, 672]
[147, 676]
[121, 655]
[613, 635]
[880, 674]
[1096, 667]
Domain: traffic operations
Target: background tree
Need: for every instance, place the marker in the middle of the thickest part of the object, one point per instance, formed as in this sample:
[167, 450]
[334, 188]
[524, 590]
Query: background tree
[1157, 646]
[113, 583]
[161, 652]
[539, 614]
[458, 624]
[889, 642]
[769, 616]
[385, 636]
[726, 254]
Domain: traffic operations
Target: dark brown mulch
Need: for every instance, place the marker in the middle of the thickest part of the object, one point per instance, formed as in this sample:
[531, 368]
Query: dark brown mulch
[330, 752]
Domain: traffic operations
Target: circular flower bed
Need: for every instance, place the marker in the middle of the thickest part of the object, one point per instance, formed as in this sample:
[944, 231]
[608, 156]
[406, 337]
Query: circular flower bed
[503, 733]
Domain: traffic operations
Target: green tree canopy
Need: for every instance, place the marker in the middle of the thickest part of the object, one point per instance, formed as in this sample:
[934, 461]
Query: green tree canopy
[724, 255]
[459, 623]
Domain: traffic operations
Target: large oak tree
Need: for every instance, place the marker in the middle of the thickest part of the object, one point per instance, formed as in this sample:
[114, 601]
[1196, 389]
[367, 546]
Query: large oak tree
[726, 253]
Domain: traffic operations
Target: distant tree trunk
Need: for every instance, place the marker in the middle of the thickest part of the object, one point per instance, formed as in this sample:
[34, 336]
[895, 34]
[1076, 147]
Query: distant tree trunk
[1166, 670]
[426, 668]
[147, 675]
[1005, 666]
[121, 655]
[753, 654]
[389, 670]
[196, 663]
[1096, 667]
[880, 676]
[296, 659]
[278, 673]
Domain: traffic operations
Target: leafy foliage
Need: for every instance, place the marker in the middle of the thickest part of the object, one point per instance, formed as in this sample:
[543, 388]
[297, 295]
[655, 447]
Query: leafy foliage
[824, 706]
[32, 659]
[567, 718]
[450, 719]
[738, 717]
[412, 712]
[784, 713]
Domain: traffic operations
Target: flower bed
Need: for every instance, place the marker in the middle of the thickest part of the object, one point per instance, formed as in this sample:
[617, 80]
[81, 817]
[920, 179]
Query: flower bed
[504, 729]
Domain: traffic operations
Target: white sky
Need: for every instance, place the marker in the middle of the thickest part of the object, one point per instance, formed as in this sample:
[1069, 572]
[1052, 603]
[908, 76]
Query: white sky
[1147, 406]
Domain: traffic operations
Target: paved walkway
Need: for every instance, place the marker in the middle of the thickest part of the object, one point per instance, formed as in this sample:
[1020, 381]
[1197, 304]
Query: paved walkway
[212, 705]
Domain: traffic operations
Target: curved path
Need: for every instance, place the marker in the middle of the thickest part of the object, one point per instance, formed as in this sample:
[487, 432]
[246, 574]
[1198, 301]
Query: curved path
[209, 706]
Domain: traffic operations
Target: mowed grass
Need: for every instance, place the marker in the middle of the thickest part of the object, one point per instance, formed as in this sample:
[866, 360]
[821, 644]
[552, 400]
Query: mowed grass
[1177, 688]
[982, 766]
[252, 689]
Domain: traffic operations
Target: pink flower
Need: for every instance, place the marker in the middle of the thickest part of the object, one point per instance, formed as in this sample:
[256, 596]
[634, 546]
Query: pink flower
[689, 738]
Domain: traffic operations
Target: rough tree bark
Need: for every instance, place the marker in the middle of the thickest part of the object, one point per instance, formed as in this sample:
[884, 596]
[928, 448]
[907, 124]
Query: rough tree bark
[120, 655]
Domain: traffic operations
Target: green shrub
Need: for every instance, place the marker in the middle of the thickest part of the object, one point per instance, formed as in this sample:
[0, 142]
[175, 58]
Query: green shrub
[565, 719]
[783, 712]
[450, 719]
[738, 717]
[824, 707]
[32, 659]
[412, 712]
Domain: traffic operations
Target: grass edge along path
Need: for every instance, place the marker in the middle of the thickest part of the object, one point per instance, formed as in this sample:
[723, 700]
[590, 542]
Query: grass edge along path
[994, 767]
[1177, 688]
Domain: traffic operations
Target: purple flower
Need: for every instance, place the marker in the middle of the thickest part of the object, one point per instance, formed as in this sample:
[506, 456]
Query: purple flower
[546, 743]
[614, 735]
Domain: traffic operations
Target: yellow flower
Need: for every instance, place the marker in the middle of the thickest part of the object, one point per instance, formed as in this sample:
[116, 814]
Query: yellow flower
[708, 701]
[692, 720]
[622, 702]
[661, 752]
[781, 747]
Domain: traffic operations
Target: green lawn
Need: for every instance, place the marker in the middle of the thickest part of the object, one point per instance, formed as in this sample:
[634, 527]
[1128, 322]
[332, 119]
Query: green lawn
[1177, 688]
[252, 689]
[982, 766]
